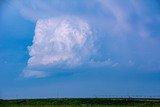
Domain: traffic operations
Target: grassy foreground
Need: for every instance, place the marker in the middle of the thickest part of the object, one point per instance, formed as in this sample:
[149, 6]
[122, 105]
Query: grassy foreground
[82, 102]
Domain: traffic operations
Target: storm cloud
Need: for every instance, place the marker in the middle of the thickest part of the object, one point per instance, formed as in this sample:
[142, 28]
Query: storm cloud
[111, 33]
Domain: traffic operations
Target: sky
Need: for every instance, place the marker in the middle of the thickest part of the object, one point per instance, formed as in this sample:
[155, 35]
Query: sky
[79, 48]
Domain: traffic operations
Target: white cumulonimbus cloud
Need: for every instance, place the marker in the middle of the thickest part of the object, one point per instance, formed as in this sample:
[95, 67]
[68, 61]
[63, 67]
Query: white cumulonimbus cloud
[61, 41]
[122, 34]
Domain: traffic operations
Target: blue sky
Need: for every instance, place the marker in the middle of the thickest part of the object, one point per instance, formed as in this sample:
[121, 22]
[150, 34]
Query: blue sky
[79, 48]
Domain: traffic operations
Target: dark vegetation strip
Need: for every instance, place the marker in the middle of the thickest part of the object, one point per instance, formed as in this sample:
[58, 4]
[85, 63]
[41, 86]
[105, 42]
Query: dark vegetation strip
[83, 101]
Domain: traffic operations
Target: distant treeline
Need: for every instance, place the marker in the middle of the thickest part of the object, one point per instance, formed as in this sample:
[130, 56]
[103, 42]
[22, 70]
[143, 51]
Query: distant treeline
[84, 101]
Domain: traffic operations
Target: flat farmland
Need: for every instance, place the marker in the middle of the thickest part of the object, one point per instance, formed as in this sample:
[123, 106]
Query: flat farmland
[82, 102]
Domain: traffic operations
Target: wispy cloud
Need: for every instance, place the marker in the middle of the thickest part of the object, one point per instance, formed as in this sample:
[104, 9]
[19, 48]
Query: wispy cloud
[33, 73]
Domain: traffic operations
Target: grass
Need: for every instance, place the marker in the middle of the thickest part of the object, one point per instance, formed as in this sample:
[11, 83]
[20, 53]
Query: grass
[81, 102]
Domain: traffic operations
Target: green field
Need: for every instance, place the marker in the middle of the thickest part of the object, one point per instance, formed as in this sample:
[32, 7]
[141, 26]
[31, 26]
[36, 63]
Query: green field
[82, 102]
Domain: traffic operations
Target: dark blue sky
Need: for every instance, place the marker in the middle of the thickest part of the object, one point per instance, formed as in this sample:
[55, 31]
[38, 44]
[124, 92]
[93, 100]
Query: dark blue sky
[79, 48]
